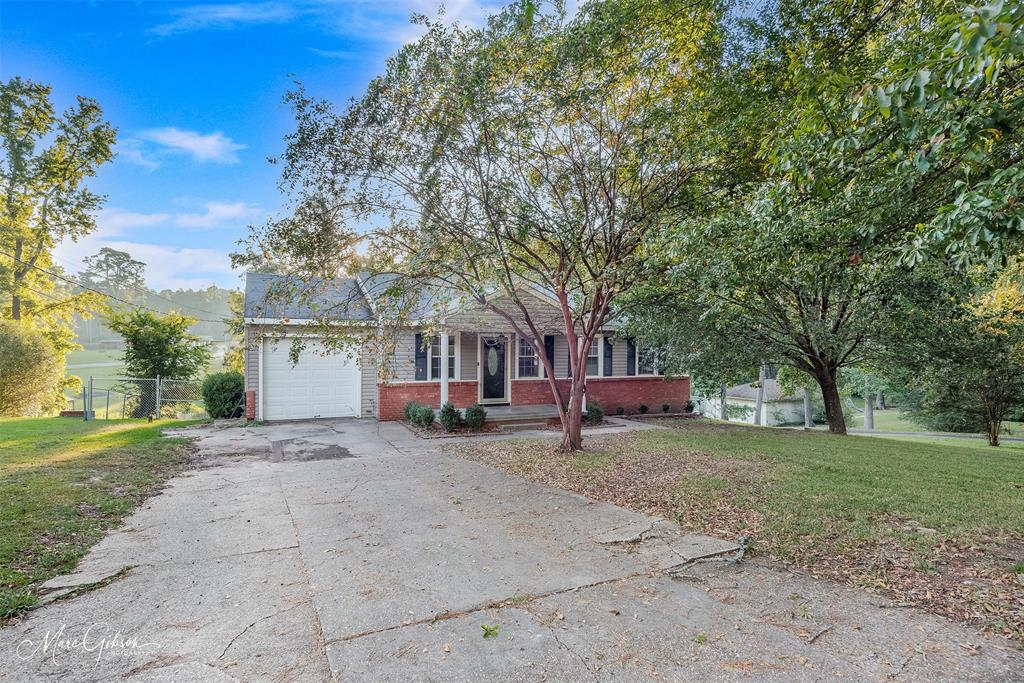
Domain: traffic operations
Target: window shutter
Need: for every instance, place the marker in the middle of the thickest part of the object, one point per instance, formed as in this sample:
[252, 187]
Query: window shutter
[630, 357]
[549, 349]
[421, 358]
[607, 357]
[568, 356]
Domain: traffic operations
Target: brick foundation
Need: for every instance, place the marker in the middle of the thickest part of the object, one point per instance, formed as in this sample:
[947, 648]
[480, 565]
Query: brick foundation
[629, 393]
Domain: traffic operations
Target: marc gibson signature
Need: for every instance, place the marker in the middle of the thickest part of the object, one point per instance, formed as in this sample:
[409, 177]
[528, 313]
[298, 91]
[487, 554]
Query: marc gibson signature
[99, 638]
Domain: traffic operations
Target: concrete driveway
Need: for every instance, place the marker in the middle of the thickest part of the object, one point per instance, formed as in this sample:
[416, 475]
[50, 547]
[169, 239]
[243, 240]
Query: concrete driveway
[352, 551]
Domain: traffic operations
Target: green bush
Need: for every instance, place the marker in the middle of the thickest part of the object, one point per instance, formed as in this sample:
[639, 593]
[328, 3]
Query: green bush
[222, 394]
[450, 418]
[31, 371]
[595, 413]
[423, 416]
[643, 409]
[665, 407]
[475, 416]
[411, 408]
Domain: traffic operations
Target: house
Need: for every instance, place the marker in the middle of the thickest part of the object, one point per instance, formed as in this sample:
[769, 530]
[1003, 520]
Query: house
[778, 408]
[478, 358]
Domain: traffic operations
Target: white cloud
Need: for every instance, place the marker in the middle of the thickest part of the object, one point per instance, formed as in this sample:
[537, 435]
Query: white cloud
[386, 20]
[167, 267]
[217, 213]
[224, 16]
[333, 54]
[214, 146]
[114, 221]
[131, 150]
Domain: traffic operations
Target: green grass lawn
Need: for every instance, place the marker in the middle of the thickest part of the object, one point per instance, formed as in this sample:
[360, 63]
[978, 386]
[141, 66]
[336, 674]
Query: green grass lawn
[88, 356]
[891, 420]
[937, 524]
[63, 484]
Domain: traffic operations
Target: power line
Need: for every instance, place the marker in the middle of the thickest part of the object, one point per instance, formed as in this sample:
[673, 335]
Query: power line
[145, 290]
[93, 289]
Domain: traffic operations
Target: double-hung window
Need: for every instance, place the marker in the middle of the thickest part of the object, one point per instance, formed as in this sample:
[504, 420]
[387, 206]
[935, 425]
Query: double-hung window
[435, 357]
[529, 364]
[646, 361]
[594, 357]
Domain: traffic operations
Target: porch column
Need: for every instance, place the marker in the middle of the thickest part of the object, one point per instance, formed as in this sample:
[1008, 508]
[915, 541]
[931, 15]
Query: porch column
[444, 367]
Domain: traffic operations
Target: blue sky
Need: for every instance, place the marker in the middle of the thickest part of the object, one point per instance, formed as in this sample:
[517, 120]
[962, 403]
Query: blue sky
[195, 91]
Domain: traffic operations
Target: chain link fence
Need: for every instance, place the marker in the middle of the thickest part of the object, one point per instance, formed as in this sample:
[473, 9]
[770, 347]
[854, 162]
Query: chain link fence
[115, 398]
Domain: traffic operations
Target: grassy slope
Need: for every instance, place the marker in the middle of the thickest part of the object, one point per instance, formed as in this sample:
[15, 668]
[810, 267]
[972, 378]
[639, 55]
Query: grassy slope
[63, 484]
[912, 518]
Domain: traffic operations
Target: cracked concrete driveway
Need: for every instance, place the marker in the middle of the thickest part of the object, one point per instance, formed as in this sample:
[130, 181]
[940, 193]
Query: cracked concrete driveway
[348, 550]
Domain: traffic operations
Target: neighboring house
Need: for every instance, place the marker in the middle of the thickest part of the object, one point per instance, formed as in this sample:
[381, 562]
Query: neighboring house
[777, 409]
[479, 359]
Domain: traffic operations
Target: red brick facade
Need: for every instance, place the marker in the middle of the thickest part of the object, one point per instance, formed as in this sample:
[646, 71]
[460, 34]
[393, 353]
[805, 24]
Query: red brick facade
[629, 393]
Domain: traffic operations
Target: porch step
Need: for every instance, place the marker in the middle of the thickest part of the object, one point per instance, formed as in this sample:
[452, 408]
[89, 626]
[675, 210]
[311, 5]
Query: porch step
[522, 426]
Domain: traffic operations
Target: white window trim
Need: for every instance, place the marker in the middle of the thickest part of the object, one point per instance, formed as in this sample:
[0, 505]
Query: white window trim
[599, 340]
[457, 341]
[541, 372]
[656, 373]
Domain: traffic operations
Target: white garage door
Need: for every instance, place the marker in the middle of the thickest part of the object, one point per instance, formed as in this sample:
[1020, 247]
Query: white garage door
[322, 384]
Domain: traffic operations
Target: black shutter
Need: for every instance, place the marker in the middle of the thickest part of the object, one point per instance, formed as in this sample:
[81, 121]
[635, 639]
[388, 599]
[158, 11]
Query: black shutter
[421, 358]
[549, 349]
[630, 357]
[607, 357]
[568, 357]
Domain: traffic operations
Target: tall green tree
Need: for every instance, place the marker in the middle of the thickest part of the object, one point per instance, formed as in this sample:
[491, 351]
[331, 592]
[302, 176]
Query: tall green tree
[538, 153]
[46, 161]
[160, 345]
[115, 272]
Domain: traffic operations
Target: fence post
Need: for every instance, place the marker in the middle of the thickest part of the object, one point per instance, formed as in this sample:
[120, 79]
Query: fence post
[158, 397]
[85, 403]
[106, 414]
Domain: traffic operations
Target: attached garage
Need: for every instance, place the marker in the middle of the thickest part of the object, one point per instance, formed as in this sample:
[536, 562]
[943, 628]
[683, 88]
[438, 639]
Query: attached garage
[324, 383]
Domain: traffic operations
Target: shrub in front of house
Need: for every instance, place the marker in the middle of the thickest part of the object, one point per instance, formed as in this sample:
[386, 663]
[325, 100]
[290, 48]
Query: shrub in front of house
[222, 394]
[643, 409]
[665, 407]
[410, 410]
[450, 418]
[688, 408]
[423, 416]
[595, 413]
[475, 416]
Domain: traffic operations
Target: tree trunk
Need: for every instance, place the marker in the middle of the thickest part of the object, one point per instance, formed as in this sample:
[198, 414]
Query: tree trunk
[572, 427]
[724, 409]
[869, 409]
[759, 403]
[880, 400]
[16, 269]
[833, 405]
[808, 410]
[993, 432]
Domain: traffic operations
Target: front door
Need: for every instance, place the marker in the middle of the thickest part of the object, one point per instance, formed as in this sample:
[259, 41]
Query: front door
[493, 353]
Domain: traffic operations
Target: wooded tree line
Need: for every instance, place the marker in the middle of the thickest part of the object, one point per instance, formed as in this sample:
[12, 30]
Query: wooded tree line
[823, 186]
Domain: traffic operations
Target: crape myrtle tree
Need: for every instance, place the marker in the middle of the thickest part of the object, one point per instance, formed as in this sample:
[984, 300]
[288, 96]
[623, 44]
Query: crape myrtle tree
[536, 153]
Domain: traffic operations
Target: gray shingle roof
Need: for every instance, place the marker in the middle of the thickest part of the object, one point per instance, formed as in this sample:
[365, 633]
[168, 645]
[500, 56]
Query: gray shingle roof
[284, 296]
